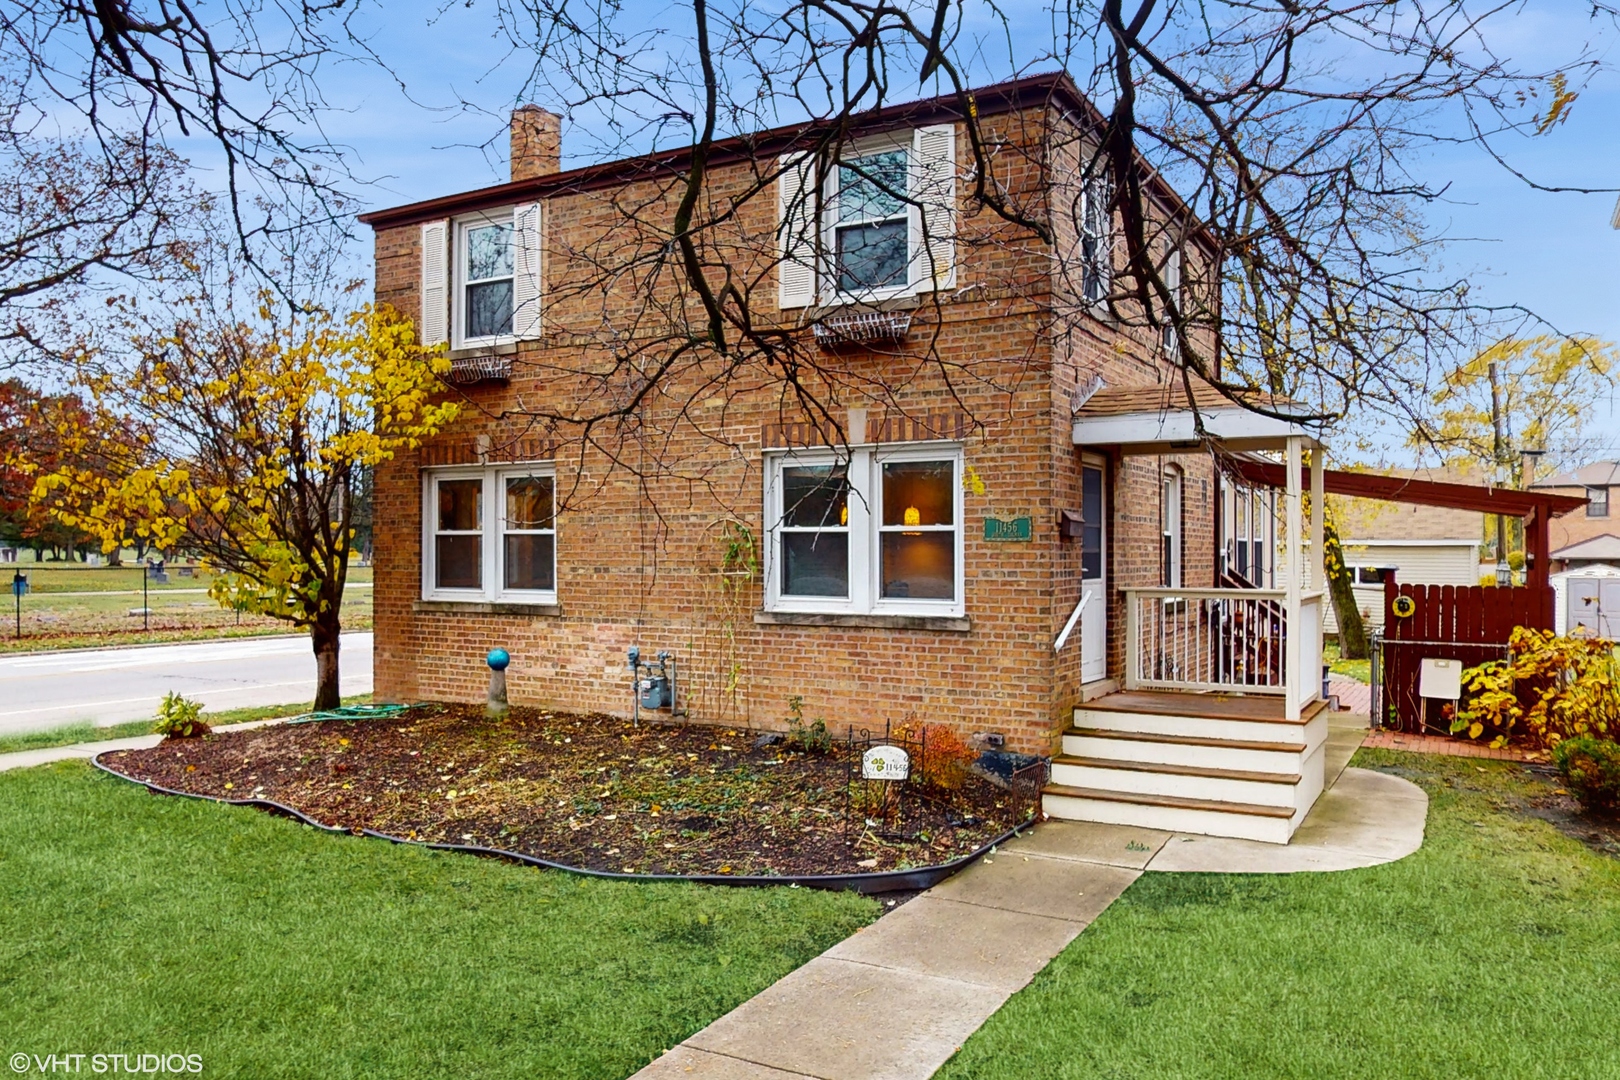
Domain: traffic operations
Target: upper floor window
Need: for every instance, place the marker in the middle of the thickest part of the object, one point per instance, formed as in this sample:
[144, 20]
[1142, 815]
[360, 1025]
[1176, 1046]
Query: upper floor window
[481, 278]
[872, 222]
[1170, 275]
[877, 221]
[1096, 239]
[1597, 502]
[486, 266]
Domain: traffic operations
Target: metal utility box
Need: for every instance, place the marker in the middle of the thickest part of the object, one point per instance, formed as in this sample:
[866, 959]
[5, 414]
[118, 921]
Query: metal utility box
[655, 692]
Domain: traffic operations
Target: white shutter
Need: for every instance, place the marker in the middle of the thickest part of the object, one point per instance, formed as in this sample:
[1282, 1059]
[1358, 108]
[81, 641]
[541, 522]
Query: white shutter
[933, 185]
[796, 231]
[526, 271]
[434, 327]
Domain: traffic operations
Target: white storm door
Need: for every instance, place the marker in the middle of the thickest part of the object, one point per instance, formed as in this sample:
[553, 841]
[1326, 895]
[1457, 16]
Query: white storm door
[1093, 573]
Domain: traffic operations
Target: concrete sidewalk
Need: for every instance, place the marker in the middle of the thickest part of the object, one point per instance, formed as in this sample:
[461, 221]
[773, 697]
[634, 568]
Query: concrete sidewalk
[897, 999]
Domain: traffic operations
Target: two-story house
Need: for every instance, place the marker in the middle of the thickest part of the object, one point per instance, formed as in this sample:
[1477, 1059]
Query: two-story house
[948, 482]
[1585, 539]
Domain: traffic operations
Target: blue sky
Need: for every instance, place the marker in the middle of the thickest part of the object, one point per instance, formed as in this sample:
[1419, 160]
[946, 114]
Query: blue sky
[1553, 253]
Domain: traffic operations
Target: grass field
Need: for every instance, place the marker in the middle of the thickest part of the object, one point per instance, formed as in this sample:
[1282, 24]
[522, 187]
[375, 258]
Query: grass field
[1359, 670]
[1494, 951]
[68, 734]
[77, 606]
[131, 923]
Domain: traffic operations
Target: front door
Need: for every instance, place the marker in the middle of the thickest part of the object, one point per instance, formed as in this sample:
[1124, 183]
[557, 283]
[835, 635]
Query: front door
[1093, 571]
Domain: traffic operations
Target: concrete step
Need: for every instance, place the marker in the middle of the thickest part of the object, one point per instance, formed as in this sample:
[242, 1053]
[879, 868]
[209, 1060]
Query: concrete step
[1205, 817]
[1194, 751]
[1184, 781]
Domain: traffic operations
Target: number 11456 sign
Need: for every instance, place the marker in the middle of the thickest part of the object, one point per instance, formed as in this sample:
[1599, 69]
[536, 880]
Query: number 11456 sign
[885, 763]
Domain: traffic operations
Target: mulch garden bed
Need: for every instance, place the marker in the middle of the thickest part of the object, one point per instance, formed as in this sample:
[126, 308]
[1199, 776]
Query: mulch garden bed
[589, 791]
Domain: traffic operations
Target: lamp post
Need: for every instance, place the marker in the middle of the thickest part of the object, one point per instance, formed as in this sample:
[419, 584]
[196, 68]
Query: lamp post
[146, 607]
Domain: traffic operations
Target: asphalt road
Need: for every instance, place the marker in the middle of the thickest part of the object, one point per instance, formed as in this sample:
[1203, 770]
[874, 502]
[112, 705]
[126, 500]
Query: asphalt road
[109, 686]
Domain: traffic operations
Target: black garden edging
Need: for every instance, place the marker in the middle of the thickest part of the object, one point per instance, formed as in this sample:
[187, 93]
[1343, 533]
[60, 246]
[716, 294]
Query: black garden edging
[883, 881]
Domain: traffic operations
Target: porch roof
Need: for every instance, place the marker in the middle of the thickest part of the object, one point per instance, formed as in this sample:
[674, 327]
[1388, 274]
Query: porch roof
[1166, 416]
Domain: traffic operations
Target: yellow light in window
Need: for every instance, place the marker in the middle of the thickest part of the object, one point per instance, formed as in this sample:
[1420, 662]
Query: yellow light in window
[843, 514]
[912, 516]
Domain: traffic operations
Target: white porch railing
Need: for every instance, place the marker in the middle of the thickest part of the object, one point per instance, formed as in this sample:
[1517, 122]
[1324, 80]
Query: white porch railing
[1226, 640]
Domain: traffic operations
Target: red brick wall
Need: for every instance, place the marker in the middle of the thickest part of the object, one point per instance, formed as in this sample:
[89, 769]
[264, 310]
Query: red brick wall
[638, 555]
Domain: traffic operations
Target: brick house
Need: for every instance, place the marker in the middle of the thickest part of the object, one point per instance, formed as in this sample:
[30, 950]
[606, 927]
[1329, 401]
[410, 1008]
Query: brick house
[1592, 536]
[1005, 512]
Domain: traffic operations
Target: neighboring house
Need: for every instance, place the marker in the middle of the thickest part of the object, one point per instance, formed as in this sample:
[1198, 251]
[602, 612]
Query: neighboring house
[1593, 537]
[1005, 537]
[1420, 545]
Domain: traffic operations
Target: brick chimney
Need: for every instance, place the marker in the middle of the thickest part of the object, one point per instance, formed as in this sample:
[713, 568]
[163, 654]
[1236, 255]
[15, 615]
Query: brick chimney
[536, 142]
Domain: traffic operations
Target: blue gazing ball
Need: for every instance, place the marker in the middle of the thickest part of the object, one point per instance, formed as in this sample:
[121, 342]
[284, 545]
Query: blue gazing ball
[498, 659]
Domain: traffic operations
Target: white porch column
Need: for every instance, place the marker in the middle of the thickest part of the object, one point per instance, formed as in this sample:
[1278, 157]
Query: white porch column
[1293, 572]
[1319, 581]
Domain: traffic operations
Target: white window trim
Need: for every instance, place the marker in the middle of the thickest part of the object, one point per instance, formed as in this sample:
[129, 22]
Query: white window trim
[506, 215]
[492, 529]
[1172, 494]
[865, 472]
[876, 144]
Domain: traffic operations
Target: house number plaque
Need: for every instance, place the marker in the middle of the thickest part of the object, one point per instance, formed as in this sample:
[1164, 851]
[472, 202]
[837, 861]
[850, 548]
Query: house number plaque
[1014, 530]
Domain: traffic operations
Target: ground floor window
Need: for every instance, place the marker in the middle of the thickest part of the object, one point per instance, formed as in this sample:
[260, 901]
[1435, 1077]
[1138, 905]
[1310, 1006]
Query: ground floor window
[866, 531]
[1170, 529]
[490, 533]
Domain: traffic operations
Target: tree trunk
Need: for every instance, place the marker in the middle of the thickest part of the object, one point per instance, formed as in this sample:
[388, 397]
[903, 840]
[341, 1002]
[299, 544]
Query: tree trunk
[1352, 632]
[324, 637]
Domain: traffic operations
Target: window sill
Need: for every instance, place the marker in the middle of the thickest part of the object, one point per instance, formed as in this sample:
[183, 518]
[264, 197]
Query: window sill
[907, 300]
[484, 607]
[497, 348]
[945, 623]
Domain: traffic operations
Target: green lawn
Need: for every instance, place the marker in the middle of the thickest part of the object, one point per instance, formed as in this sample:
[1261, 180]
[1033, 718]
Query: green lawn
[84, 731]
[1494, 951]
[132, 923]
[1359, 670]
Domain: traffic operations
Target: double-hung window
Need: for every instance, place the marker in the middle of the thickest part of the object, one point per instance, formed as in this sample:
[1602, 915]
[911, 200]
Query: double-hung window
[1597, 502]
[872, 531]
[871, 227]
[486, 260]
[490, 534]
[1170, 529]
[875, 222]
[1096, 239]
[481, 277]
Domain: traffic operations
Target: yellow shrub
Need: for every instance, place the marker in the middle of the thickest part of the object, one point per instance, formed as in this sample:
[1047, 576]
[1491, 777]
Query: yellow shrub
[1557, 687]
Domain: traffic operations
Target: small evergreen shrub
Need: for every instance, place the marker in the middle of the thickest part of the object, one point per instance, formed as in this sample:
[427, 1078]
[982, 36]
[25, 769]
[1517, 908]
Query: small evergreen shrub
[1591, 769]
[178, 718]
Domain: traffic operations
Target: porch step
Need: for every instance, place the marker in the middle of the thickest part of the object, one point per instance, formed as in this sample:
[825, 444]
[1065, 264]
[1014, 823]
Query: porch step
[1195, 751]
[1139, 778]
[1099, 715]
[1171, 813]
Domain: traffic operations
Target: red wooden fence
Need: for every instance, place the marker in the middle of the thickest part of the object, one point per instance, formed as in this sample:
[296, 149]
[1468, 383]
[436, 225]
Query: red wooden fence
[1470, 623]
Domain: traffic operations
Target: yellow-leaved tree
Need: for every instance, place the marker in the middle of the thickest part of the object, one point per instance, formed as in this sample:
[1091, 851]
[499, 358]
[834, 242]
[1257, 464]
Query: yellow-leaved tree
[245, 442]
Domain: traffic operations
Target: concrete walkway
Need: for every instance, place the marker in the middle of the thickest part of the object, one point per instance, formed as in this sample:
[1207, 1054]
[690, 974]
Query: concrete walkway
[897, 999]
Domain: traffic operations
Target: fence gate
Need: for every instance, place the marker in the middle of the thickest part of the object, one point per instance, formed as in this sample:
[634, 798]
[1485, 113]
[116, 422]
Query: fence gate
[1469, 623]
